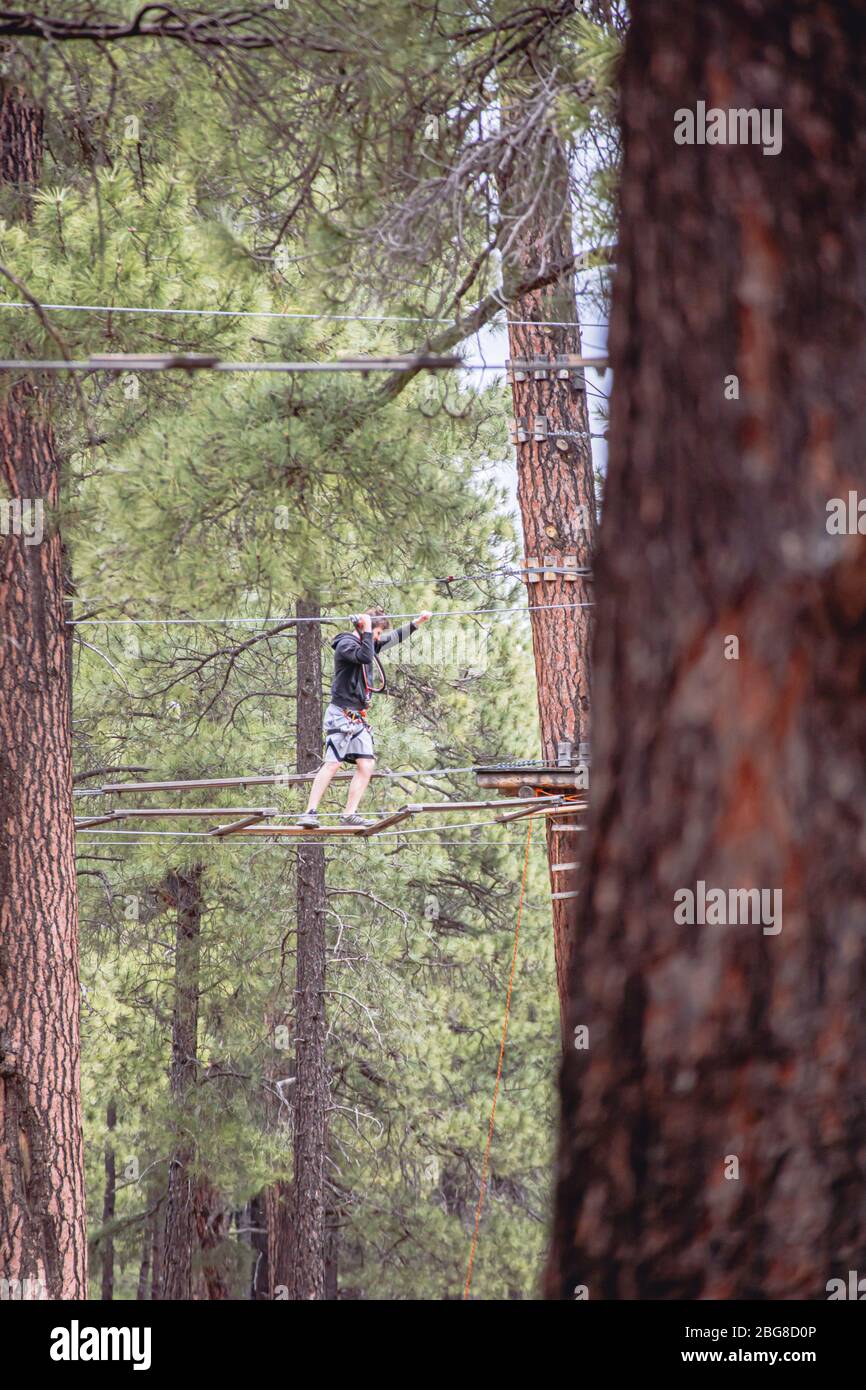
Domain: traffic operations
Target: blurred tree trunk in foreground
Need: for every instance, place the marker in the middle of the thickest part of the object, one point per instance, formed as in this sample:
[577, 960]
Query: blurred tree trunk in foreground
[740, 764]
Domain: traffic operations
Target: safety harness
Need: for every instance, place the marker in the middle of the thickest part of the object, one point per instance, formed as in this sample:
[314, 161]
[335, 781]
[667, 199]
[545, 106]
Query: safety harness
[374, 689]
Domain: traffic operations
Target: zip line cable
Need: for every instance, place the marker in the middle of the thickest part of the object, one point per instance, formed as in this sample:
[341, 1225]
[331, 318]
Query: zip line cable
[526, 765]
[291, 314]
[146, 362]
[411, 772]
[269, 844]
[158, 362]
[505, 571]
[415, 776]
[328, 618]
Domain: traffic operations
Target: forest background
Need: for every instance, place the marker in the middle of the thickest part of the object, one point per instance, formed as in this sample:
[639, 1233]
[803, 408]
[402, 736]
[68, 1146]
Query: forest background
[338, 193]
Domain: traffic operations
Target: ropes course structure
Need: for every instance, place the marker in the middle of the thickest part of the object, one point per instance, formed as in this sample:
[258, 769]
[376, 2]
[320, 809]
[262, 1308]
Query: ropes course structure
[173, 311]
[542, 792]
[509, 793]
[494, 613]
[255, 821]
[191, 362]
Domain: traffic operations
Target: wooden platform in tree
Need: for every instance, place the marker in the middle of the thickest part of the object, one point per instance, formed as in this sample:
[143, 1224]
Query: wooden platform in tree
[531, 779]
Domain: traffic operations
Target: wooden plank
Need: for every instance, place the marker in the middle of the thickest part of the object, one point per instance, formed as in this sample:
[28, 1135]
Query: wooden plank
[235, 825]
[531, 811]
[529, 768]
[393, 819]
[299, 830]
[538, 808]
[555, 776]
[544, 781]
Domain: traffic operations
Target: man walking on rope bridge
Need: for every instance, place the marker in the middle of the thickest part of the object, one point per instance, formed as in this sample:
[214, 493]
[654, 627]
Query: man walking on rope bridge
[358, 675]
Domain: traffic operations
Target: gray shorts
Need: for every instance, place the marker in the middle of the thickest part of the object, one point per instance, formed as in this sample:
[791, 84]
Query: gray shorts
[347, 736]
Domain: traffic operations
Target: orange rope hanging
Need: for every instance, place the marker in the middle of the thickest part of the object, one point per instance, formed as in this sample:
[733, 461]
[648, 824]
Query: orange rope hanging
[486, 1163]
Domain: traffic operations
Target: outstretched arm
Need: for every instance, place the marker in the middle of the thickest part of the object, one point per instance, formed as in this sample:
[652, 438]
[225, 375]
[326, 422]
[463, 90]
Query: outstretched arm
[399, 634]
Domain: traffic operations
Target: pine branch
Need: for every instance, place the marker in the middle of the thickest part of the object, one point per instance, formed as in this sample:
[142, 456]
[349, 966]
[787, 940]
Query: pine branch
[487, 309]
[250, 29]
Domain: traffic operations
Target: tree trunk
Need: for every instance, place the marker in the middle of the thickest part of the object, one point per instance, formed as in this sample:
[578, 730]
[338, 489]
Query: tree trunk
[259, 1277]
[156, 1262]
[555, 483]
[332, 1258]
[21, 146]
[108, 1206]
[278, 1220]
[714, 1131]
[176, 1277]
[212, 1221]
[144, 1267]
[42, 1217]
[273, 1268]
[311, 1090]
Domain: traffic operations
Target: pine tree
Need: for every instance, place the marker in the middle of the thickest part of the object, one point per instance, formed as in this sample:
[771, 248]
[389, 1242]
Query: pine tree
[42, 1220]
[712, 1131]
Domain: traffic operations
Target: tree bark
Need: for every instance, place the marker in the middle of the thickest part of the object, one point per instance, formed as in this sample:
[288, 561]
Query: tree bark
[555, 482]
[311, 1090]
[212, 1221]
[711, 1043]
[332, 1258]
[156, 1262]
[108, 1206]
[259, 1275]
[144, 1267]
[21, 145]
[272, 1275]
[278, 1221]
[176, 1273]
[42, 1215]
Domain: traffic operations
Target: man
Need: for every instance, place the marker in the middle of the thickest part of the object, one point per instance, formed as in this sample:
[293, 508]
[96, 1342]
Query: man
[348, 736]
